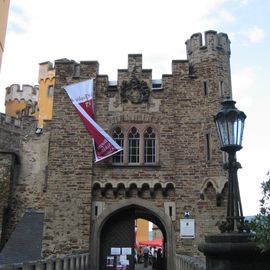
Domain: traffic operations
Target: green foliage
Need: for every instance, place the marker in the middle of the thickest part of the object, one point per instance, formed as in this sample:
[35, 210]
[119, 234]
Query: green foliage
[261, 223]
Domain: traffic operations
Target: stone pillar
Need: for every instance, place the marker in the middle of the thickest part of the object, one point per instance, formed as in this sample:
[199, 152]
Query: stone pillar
[233, 251]
[58, 264]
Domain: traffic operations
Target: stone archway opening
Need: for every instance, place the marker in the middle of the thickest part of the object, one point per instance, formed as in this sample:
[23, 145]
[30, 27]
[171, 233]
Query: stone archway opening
[114, 235]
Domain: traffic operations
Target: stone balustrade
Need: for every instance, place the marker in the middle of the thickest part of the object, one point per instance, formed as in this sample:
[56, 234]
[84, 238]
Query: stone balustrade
[81, 262]
[184, 262]
[76, 262]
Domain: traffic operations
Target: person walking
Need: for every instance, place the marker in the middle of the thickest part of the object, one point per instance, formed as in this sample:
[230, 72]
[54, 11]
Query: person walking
[159, 263]
[146, 251]
[154, 265]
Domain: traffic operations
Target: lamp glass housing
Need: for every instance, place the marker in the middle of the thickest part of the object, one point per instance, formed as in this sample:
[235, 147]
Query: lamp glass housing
[230, 126]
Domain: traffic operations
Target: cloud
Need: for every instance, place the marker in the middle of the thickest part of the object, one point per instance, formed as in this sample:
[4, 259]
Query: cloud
[243, 82]
[16, 28]
[232, 36]
[244, 79]
[226, 16]
[244, 2]
[255, 34]
[18, 22]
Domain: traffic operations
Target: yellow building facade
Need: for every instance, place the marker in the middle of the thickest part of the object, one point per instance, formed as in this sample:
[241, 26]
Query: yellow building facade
[46, 81]
[142, 229]
[4, 7]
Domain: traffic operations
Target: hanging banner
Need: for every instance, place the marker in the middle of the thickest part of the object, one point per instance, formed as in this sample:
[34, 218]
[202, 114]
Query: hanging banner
[81, 95]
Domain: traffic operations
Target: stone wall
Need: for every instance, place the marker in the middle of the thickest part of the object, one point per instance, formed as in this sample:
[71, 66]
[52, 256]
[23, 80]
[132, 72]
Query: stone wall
[6, 163]
[68, 198]
[30, 184]
[24, 157]
[11, 130]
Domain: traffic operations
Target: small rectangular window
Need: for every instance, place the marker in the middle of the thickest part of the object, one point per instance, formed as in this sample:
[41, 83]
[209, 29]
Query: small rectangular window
[170, 211]
[50, 90]
[208, 147]
[169, 208]
[157, 84]
[205, 88]
[221, 88]
[97, 208]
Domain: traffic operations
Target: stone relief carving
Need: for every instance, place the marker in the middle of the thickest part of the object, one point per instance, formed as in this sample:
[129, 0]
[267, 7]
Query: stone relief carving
[136, 91]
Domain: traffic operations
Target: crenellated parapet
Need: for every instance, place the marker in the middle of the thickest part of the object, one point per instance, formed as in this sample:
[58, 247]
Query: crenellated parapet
[26, 92]
[14, 130]
[214, 45]
[46, 71]
[13, 124]
[73, 70]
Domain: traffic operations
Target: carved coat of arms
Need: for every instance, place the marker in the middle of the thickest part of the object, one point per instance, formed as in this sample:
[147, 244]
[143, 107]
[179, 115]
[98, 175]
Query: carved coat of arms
[135, 91]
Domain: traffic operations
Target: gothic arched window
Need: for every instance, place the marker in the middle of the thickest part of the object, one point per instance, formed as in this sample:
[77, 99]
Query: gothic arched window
[140, 143]
[133, 146]
[118, 136]
[149, 146]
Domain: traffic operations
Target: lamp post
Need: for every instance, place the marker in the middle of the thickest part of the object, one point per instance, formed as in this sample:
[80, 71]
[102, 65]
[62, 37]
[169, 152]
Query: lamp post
[230, 126]
[232, 249]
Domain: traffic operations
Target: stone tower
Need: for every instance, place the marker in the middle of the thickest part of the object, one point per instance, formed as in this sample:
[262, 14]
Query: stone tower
[171, 163]
[21, 100]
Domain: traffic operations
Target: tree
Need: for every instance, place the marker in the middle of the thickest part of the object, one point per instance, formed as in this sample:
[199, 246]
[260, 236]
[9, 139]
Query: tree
[261, 223]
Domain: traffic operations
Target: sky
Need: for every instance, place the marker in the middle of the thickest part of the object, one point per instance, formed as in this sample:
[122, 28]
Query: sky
[107, 31]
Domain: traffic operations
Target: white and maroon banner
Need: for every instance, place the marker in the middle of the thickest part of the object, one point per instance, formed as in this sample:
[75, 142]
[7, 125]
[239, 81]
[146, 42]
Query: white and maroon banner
[81, 95]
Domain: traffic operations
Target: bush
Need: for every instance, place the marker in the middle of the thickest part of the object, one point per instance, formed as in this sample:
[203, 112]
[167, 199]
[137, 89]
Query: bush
[260, 225]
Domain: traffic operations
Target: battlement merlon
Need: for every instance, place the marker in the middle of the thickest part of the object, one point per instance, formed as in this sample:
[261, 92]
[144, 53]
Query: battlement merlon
[26, 92]
[180, 67]
[46, 71]
[215, 44]
[71, 69]
[135, 63]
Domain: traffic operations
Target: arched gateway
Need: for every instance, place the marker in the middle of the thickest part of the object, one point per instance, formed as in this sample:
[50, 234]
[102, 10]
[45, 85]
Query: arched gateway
[120, 216]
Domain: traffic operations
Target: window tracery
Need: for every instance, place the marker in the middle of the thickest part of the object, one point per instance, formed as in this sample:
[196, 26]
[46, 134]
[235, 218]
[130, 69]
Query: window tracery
[139, 143]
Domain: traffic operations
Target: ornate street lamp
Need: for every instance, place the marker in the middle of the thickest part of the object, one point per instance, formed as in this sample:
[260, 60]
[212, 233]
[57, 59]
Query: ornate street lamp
[230, 126]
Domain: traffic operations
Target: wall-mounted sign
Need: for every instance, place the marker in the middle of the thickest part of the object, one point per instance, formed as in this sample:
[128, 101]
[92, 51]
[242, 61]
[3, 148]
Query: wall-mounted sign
[187, 228]
[115, 251]
[126, 251]
[110, 261]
